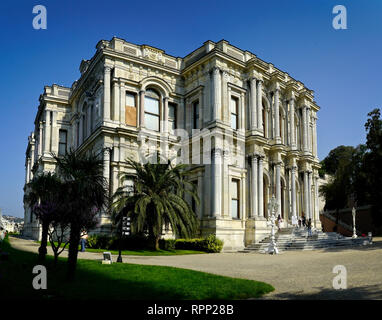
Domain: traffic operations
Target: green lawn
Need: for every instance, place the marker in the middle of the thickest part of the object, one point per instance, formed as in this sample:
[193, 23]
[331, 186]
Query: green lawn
[119, 281]
[141, 252]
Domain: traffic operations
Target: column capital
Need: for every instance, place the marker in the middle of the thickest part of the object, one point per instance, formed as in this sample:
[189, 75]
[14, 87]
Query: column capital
[107, 69]
[215, 70]
[217, 151]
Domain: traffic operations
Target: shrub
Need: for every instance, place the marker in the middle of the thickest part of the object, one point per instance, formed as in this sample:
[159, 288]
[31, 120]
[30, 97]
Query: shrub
[167, 244]
[213, 244]
[209, 244]
[131, 242]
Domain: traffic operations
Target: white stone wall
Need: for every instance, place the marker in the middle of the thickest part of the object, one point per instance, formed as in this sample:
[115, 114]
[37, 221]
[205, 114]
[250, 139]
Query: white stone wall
[273, 150]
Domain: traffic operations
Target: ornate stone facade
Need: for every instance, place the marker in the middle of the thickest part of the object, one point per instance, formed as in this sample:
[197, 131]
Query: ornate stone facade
[248, 129]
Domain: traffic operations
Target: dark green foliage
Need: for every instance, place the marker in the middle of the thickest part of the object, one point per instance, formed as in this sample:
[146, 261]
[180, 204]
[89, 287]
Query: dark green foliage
[357, 172]
[209, 244]
[158, 199]
[133, 242]
[118, 281]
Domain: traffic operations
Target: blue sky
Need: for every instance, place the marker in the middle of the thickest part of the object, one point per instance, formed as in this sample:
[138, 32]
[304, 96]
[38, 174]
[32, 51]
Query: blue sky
[341, 66]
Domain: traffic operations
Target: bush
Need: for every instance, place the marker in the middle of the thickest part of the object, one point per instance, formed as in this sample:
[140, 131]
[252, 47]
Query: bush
[131, 242]
[209, 244]
[140, 242]
[213, 244]
[167, 244]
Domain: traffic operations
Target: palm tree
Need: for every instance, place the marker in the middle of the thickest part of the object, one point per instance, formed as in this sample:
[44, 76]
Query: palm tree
[43, 197]
[86, 194]
[157, 200]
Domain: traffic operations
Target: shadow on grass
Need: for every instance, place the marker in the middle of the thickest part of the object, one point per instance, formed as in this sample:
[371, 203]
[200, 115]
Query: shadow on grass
[118, 281]
[372, 292]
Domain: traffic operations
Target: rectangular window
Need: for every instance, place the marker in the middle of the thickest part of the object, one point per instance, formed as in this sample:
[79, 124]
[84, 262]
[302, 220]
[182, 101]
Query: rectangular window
[195, 115]
[171, 117]
[234, 107]
[62, 144]
[235, 198]
[131, 109]
[151, 113]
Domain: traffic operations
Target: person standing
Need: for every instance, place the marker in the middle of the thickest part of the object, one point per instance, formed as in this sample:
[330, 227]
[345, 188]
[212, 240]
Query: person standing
[309, 227]
[84, 236]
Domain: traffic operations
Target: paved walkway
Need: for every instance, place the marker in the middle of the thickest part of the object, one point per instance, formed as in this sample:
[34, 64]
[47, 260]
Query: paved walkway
[295, 275]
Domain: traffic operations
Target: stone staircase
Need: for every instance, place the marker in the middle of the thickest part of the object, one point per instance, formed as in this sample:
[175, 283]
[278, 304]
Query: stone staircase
[297, 239]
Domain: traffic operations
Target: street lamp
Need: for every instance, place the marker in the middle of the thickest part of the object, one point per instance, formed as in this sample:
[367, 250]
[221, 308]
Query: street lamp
[272, 207]
[354, 229]
[119, 259]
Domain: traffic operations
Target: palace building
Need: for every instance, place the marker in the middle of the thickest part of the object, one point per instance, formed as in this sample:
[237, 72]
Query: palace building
[247, 128]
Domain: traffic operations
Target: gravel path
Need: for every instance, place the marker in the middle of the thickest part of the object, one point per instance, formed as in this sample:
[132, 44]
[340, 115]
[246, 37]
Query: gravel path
[295, 275]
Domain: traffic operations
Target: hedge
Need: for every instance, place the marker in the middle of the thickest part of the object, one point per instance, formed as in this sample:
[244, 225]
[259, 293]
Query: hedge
[140, 242]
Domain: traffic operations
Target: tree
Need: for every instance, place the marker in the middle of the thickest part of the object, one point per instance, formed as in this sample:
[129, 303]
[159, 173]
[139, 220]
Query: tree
[58, 230]
[157, 200]
[43, 198]
[86, 194]
[338, 164]
[373, 163]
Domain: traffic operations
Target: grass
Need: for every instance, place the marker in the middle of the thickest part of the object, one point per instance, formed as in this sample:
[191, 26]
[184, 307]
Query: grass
[119, 281]
[139, 252]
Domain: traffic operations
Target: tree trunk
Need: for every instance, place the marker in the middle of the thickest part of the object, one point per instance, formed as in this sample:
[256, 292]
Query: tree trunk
[73, 251]
[157, 243]
[42, 251]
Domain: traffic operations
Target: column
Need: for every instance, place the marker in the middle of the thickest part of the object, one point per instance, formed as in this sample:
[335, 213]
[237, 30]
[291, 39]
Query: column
[310, 194]
[106, 94]
[142, 108]
[259, 104]
[316, 206]
[242, 113]
[216, 182]
[165, 114]
[278, 187]
[277, 115]
[293, 182]
[306, 195]
[315, 136]
[32, 155]
[116, 98]
[254, 186]
[260, 188]
[253, 98]
[106, 166]
[308, 130]
[40, 139]
[304, 129]
[216, 99]
[292, 128]
[47, 133]
[122, 103]
[54, 131]
[28, 170]
[225, 100]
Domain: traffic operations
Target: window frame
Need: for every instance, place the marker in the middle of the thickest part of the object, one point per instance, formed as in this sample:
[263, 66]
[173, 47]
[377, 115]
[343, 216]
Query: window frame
[236, 101]
[150, 113]
[236, 182]
[61, 143]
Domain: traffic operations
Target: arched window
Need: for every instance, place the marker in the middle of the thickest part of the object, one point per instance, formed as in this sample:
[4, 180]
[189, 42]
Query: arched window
[152, 110]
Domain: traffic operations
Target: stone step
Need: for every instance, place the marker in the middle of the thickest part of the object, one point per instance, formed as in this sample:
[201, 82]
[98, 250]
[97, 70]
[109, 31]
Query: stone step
[296, 239]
